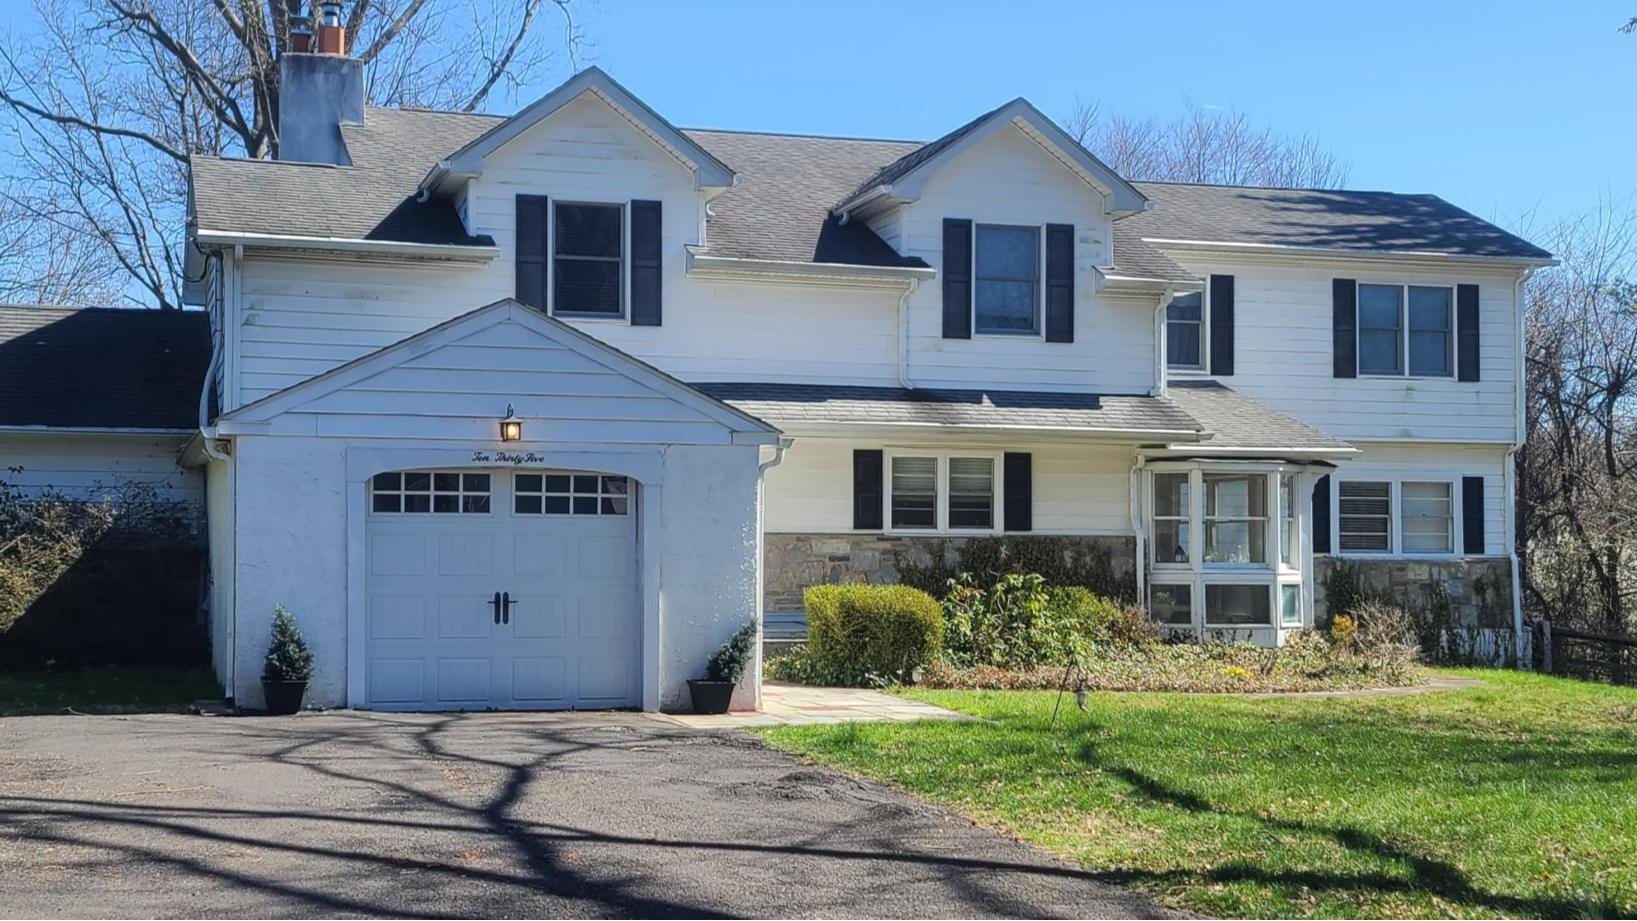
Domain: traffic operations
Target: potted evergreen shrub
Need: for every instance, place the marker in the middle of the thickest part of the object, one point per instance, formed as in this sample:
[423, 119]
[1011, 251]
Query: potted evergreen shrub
[723, 671]
[289, 665]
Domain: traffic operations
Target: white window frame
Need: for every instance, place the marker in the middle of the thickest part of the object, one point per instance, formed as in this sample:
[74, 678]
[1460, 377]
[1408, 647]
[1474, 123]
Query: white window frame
[1403, 372]
[941, 517]
[432, 493]
[1269, 506]
[1204, 367]
[599, 495]
[1395, 527]
[1039, 332]
[624, 315]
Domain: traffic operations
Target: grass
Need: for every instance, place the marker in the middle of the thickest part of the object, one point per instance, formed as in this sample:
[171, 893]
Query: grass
[108, 689]
[1517, 798]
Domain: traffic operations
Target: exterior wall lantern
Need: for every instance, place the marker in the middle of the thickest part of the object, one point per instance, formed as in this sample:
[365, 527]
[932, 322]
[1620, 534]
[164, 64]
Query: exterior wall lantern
[511, 427]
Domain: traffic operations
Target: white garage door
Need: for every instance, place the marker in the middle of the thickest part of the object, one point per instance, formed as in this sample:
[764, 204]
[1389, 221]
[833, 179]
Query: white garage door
[511, 590]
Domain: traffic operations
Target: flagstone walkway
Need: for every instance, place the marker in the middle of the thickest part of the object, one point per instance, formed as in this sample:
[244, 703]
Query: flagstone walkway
[796, 704]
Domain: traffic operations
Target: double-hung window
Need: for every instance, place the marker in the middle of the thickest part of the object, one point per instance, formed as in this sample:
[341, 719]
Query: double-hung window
[1006, 280]
[588, 256]
[937, 492]
[1406, 328]
[1427, 516]
[1236, 516]
[1185, 332]
[1365, 521]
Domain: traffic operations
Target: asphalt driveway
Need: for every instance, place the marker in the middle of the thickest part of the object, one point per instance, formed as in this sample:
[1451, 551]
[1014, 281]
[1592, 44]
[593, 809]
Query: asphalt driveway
[486, 816]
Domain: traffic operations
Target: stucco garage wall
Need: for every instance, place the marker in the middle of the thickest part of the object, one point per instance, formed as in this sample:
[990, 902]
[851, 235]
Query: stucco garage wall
[293, 546]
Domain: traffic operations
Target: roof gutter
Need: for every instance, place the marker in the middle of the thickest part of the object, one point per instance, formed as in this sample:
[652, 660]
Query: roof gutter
[87, 430]
[1423, 256]
[700, 263]
[448, 252]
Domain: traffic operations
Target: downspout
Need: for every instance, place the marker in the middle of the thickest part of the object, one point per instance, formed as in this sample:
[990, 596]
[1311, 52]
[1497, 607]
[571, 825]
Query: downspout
[1510, 472]
[1160, 374]
[207, 443]
[903, 334]
[779, 447]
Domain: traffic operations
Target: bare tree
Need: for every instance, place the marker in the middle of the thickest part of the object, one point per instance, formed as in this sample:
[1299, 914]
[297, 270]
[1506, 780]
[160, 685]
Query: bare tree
[1578, 469]
[109, 99]
[1201, 145]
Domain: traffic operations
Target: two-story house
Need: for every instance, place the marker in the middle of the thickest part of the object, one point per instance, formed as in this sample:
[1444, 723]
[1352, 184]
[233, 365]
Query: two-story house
[534, 411]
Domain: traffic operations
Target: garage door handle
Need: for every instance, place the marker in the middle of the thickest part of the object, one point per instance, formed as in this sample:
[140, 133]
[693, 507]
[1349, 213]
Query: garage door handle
[496, 604]
[506, 603]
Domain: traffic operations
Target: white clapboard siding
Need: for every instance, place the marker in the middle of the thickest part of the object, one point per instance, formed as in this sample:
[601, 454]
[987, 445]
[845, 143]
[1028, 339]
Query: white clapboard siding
[89, 466]
[1440, 462]
[1077, 490]
[1283, 355]
[458, 391]
[304, 315]
[1008, 178]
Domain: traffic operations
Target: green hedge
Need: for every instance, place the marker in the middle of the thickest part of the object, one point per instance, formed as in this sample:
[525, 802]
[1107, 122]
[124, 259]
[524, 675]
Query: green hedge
[889, 630]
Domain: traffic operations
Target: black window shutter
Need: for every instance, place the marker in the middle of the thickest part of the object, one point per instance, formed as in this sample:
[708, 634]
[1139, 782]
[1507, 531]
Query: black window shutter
[1344, 324]
[1321, 515]
[957, 278]
[531, 250]
[867, 498]
[1472, 514]
[646, 263]
[1466, 332]
[1059, 284]
[1221, 361]
[1019, 491]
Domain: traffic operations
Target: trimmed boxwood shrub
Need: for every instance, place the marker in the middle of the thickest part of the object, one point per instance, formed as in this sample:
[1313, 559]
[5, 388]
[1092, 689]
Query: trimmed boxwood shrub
[888, 630]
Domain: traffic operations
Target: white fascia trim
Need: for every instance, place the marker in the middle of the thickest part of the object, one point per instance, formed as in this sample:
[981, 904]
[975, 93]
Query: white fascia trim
[450, 252]
[1123, 436]
[1277, 249]
[1207, 451]
[879, 194]
[1129, 284]
[87, 430]
[728, 266]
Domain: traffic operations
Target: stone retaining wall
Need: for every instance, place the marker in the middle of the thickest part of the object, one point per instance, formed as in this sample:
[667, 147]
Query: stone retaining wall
[795, 561]
[1479, 589]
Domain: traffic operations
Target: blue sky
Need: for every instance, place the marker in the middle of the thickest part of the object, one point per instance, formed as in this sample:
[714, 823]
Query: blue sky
[1501, 107]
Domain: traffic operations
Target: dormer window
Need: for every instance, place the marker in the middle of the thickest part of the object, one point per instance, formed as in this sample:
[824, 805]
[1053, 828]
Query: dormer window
[588, 249]
[1006, 290]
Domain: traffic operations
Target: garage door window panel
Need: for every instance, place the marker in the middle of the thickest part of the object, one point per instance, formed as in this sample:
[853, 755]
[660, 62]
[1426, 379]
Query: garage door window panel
[441, 492]
[571, 494]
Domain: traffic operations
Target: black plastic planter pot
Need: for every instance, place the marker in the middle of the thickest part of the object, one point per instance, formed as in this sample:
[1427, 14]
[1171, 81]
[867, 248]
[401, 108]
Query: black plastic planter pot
[283, 697]
[711, 696]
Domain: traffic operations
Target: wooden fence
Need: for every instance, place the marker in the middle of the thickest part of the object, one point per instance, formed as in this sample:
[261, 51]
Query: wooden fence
[1608, 658]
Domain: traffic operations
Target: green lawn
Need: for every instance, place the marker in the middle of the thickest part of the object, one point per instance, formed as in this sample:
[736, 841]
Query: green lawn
[1518, 798]
[109, 689]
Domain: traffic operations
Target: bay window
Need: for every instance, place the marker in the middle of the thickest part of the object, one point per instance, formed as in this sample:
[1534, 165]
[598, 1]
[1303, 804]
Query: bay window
[1225, 545]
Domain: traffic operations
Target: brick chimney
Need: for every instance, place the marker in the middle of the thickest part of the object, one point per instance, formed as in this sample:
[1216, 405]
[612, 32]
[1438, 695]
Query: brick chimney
[332, 34]
[318, 93]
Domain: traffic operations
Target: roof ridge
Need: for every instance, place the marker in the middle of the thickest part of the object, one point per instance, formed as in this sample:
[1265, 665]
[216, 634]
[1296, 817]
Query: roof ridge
[809, 136]
[1284, 188]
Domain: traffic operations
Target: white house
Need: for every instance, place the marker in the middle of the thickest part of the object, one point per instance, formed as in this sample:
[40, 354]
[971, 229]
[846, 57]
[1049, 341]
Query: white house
[743, 363]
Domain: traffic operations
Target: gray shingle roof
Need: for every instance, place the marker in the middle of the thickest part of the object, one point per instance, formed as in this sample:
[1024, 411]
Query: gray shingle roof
[1136, 258]
[786, 403]
[101, 368]
[1227, 419]
[1328, 219]
[373, 199]
[1237, 422]
[781, 211]
[918, 154]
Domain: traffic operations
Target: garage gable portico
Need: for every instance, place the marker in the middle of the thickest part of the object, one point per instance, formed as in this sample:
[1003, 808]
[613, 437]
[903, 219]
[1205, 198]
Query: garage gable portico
[596, 561]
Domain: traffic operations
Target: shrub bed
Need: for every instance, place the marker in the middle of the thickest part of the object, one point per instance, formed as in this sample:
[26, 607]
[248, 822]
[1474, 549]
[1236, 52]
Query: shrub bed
[886, 630]
[91, 582]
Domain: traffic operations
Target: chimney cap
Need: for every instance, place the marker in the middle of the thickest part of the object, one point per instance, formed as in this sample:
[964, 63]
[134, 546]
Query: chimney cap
[330, 12]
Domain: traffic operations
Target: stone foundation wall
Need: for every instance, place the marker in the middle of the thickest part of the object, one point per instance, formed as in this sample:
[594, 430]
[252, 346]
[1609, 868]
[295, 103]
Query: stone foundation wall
[1479, 589]
[795, 561]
